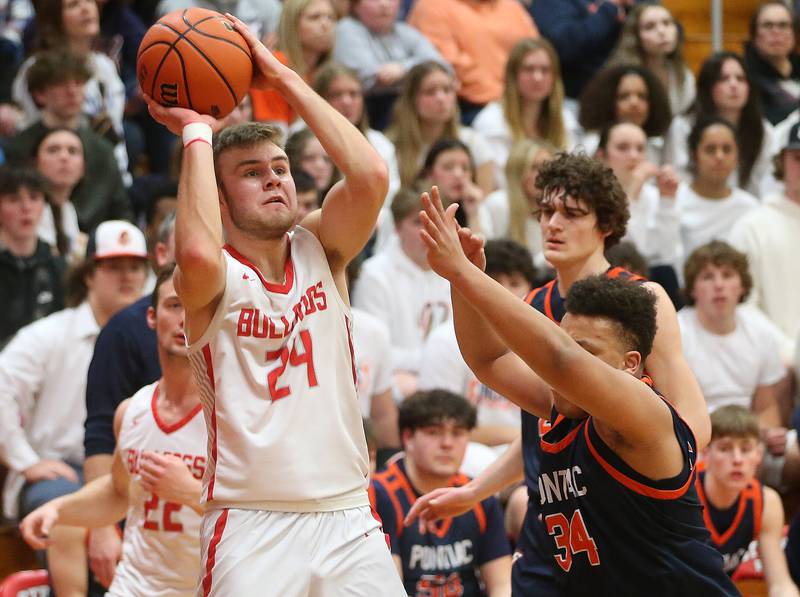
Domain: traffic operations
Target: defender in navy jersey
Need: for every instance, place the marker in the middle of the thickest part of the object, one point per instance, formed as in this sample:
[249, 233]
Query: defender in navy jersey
[583, 211]
[466, 555]
[737, 509]
[617, 462]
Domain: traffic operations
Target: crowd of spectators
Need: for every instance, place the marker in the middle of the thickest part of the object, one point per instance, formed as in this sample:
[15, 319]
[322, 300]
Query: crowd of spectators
[470, 95]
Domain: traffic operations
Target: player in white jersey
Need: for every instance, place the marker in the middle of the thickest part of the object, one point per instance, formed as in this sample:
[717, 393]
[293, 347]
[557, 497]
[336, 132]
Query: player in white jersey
[268, 324]
[155, 476]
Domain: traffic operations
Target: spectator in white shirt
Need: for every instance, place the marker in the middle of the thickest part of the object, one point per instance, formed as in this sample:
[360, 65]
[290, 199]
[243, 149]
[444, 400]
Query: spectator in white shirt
[449, 166]
[709, 206]
[343, 90]
[513, 211]
[42, 390]
[398, 287]
[770, 237]
[444, 368]
[732, 348]
[532, 106]
[650, 189]
[625, 93]
[426, 110]
[650, 38]
[724, 89]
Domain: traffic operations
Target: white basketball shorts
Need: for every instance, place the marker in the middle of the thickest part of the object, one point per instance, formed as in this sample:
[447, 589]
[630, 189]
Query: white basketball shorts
[262, 553]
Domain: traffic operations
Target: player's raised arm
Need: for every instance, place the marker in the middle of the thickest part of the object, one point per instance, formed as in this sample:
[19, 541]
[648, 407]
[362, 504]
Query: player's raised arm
[585, 380]
[667, 364]
[198, 228]
[102, 502]
[351, 207]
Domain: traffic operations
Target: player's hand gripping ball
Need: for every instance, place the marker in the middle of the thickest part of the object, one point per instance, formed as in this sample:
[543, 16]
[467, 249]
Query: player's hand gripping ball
[195, 59]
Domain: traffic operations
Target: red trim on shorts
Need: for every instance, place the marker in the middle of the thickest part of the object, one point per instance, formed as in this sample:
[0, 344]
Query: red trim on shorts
[632, 484]
[210, 371]
[270, 286]
[174, 426]
[219, 527]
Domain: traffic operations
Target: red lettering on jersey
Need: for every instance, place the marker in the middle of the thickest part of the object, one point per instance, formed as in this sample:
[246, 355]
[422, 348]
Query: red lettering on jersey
[198, 467]
[252, 324]
[245, 325]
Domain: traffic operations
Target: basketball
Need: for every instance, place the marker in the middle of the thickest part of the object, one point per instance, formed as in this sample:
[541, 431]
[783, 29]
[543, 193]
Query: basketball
[195, 59]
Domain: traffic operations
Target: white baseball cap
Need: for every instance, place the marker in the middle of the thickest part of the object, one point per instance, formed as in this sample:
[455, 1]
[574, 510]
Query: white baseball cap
[116, 238]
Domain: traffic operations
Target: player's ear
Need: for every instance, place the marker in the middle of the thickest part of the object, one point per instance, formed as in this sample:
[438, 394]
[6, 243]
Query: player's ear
[151, 318]
[632, 362]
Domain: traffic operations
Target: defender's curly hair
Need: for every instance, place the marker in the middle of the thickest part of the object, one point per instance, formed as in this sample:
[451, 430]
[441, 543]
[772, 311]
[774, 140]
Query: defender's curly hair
[583, 178]
[628, 304]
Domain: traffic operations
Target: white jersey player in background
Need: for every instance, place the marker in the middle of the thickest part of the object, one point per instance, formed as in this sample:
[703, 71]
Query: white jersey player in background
[268, 323]
[155, 475]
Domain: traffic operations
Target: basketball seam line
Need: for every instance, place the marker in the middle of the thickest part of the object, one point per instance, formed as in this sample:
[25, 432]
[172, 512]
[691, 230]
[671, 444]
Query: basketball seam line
[193, 27]
[164, 58]
[199, 51]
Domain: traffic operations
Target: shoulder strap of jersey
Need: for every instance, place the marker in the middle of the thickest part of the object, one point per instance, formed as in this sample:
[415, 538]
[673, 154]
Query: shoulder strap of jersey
[394, 481]
[757, 497]
[623, 274]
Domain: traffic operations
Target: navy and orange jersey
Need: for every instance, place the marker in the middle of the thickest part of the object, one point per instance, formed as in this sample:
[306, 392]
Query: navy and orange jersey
[532, 543]
[612, 530]
[733, 529]
[443, 562]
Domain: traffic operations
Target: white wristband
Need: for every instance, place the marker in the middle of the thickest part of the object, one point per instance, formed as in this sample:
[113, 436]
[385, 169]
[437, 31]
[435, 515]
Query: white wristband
[197, 131]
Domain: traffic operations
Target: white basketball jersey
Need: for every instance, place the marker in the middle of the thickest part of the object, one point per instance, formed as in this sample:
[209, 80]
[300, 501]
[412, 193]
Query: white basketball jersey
[161, 546]
[276, 372]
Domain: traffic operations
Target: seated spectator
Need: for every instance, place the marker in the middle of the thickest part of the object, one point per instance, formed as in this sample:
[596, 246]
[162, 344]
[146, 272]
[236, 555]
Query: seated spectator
[13, 16]
[444, 368]
[42, 391]
[650, 38]
[31, 275]
[737, 508]
[125, 358]
[261, 16]
[59, 158]
[725, 90]
[626, 93]
[450, 167]
[531, 106]
[513, 211]
[57, 82]
[308, 196]
[709, 206]
[435, 430]
[306, 153]
[75, 26]
[399, 288]
[381, 50]
[772, 60]
[342, 88]
[770, 237]
[373, 360]
[425, 111]
[650, 189]
[731, 348]
[584, 34]
[305, 42]
[476, 38]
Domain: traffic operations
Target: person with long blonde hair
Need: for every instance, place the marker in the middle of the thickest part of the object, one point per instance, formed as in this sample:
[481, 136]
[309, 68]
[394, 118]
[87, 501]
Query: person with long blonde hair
[650, 38]
[532, 105]
[305, 42]
[513, 210]
[426, 110]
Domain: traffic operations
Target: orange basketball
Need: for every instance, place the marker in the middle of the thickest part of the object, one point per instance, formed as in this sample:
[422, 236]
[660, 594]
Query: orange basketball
[194, 58]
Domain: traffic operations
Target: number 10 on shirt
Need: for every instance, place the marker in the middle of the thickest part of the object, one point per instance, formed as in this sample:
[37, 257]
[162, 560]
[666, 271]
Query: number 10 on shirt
[293, 358]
